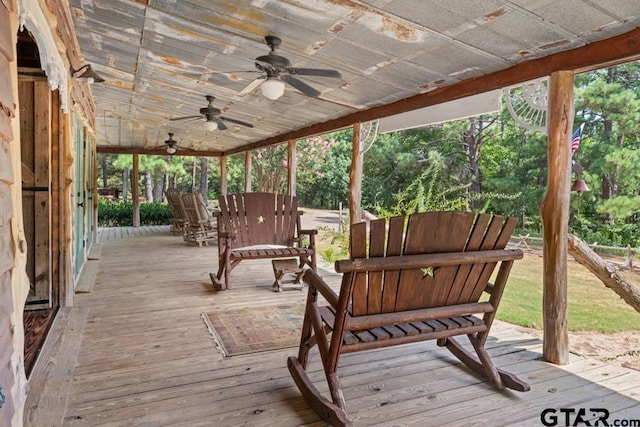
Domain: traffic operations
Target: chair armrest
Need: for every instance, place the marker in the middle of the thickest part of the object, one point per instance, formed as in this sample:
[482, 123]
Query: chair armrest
[226, 235]
[312, 279]
[312, 238]
[309, 232]
[427, 260]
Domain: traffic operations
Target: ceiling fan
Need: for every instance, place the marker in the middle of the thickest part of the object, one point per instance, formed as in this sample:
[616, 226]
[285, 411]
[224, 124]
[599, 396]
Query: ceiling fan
[278, 70]
[172, 144]
[213, 118]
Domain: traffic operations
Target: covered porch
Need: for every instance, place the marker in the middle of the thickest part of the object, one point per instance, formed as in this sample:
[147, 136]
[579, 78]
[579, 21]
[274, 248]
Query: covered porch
[131, 348]
[134, 350]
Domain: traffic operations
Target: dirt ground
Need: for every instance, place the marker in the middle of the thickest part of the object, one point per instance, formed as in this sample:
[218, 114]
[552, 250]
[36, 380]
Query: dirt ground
[622, 348]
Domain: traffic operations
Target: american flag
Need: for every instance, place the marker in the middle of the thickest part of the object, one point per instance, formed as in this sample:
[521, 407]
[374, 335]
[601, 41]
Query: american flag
[575, 139]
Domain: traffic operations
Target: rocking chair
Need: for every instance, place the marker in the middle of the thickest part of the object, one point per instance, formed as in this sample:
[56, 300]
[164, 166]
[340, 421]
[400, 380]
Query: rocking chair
[419, 278]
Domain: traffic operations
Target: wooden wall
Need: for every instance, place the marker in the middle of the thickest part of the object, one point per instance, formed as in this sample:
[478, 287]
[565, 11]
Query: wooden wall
[8, 369]
[14, 282]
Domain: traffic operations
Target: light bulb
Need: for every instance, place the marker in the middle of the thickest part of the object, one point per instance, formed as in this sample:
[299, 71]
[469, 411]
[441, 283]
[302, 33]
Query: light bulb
[171, 150]
[211, 125]
[272, 88]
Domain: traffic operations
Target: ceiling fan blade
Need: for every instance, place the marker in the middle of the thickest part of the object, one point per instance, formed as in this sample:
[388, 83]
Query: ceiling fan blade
[238, 122]
[234, 72]
[301, 86]
[314, 72]
[252, 86]
[262, 65]
[186, 117]
[221, 125]
[181, 148]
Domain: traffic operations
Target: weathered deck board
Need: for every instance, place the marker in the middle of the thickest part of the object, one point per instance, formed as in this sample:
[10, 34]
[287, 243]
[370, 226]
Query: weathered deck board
[50, 386]
[116, 233]
[144, 357]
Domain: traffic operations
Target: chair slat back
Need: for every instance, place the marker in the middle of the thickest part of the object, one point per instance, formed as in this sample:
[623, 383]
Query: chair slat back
[195, 210]
[174, 200]
[388, 291]
[259, 218]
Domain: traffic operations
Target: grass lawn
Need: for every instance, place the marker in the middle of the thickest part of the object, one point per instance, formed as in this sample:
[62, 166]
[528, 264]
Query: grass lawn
[591, 305]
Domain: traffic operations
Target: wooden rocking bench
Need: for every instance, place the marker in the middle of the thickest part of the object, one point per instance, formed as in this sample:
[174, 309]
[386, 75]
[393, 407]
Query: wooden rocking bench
[259, 226]
[408, 283]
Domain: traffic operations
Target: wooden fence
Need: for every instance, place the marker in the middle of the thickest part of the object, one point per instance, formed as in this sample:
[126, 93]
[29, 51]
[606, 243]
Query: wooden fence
[525, 242]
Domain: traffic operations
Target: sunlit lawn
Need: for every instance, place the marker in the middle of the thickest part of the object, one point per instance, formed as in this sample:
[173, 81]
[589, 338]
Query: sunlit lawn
[591, 305]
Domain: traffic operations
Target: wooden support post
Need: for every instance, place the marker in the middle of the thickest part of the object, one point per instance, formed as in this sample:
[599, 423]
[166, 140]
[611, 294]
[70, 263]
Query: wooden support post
[292, 168]
[135, 178]
[247, 171]
[355, 177]
[67, 211]
[555, 217]
[223, 175]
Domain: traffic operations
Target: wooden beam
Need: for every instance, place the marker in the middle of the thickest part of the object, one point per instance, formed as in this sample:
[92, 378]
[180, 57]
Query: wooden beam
[555, 218]
[67, 209]
[608, 52]
[223, 175]
[292, 167]
[60, 288]
[135, 179]
[355, 177]
[154, 152]
[247, 171]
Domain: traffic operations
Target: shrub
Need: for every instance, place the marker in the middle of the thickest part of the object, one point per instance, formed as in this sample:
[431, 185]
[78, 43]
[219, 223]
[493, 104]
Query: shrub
[154, 214]
[120, 213]
[331, 245]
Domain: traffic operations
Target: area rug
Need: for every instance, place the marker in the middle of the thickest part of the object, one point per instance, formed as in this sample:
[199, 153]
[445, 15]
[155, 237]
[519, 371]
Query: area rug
[255, 329]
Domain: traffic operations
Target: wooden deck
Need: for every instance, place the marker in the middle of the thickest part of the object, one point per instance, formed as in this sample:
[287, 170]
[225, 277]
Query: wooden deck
[116, 233]
[133, 351]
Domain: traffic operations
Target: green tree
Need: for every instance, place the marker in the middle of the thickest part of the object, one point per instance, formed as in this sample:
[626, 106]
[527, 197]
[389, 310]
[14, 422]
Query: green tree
[159, 172]
[269, 169]
[323, 170]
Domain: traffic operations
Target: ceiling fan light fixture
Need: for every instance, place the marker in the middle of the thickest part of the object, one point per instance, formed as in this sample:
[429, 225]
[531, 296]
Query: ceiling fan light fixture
[171, 150]
[211, 125]
[272, 88]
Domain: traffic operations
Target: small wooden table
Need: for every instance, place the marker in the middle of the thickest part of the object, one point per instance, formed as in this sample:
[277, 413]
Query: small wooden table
[287, 266]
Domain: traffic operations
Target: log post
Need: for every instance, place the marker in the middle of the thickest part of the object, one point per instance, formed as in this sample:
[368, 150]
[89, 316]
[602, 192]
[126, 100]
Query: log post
[247, 171]
[555, 217]
[355, 177]
[135, 178]
[223, 175]
[292, 168]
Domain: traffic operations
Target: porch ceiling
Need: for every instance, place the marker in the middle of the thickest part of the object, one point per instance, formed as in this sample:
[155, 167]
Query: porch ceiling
[161, 57]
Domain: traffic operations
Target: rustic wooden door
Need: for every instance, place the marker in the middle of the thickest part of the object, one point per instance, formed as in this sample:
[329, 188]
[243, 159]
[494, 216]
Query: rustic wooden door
[90, 185]
[35, 135]
[81, 194]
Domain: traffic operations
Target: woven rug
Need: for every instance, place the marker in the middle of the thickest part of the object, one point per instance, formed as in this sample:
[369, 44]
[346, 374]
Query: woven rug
[255, 329]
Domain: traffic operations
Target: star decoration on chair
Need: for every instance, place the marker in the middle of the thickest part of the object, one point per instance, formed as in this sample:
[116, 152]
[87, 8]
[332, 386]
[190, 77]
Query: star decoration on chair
[260, 219]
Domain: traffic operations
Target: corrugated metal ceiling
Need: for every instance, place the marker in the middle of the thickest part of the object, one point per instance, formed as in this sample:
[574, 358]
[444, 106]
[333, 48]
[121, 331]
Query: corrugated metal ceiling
[160, 59]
